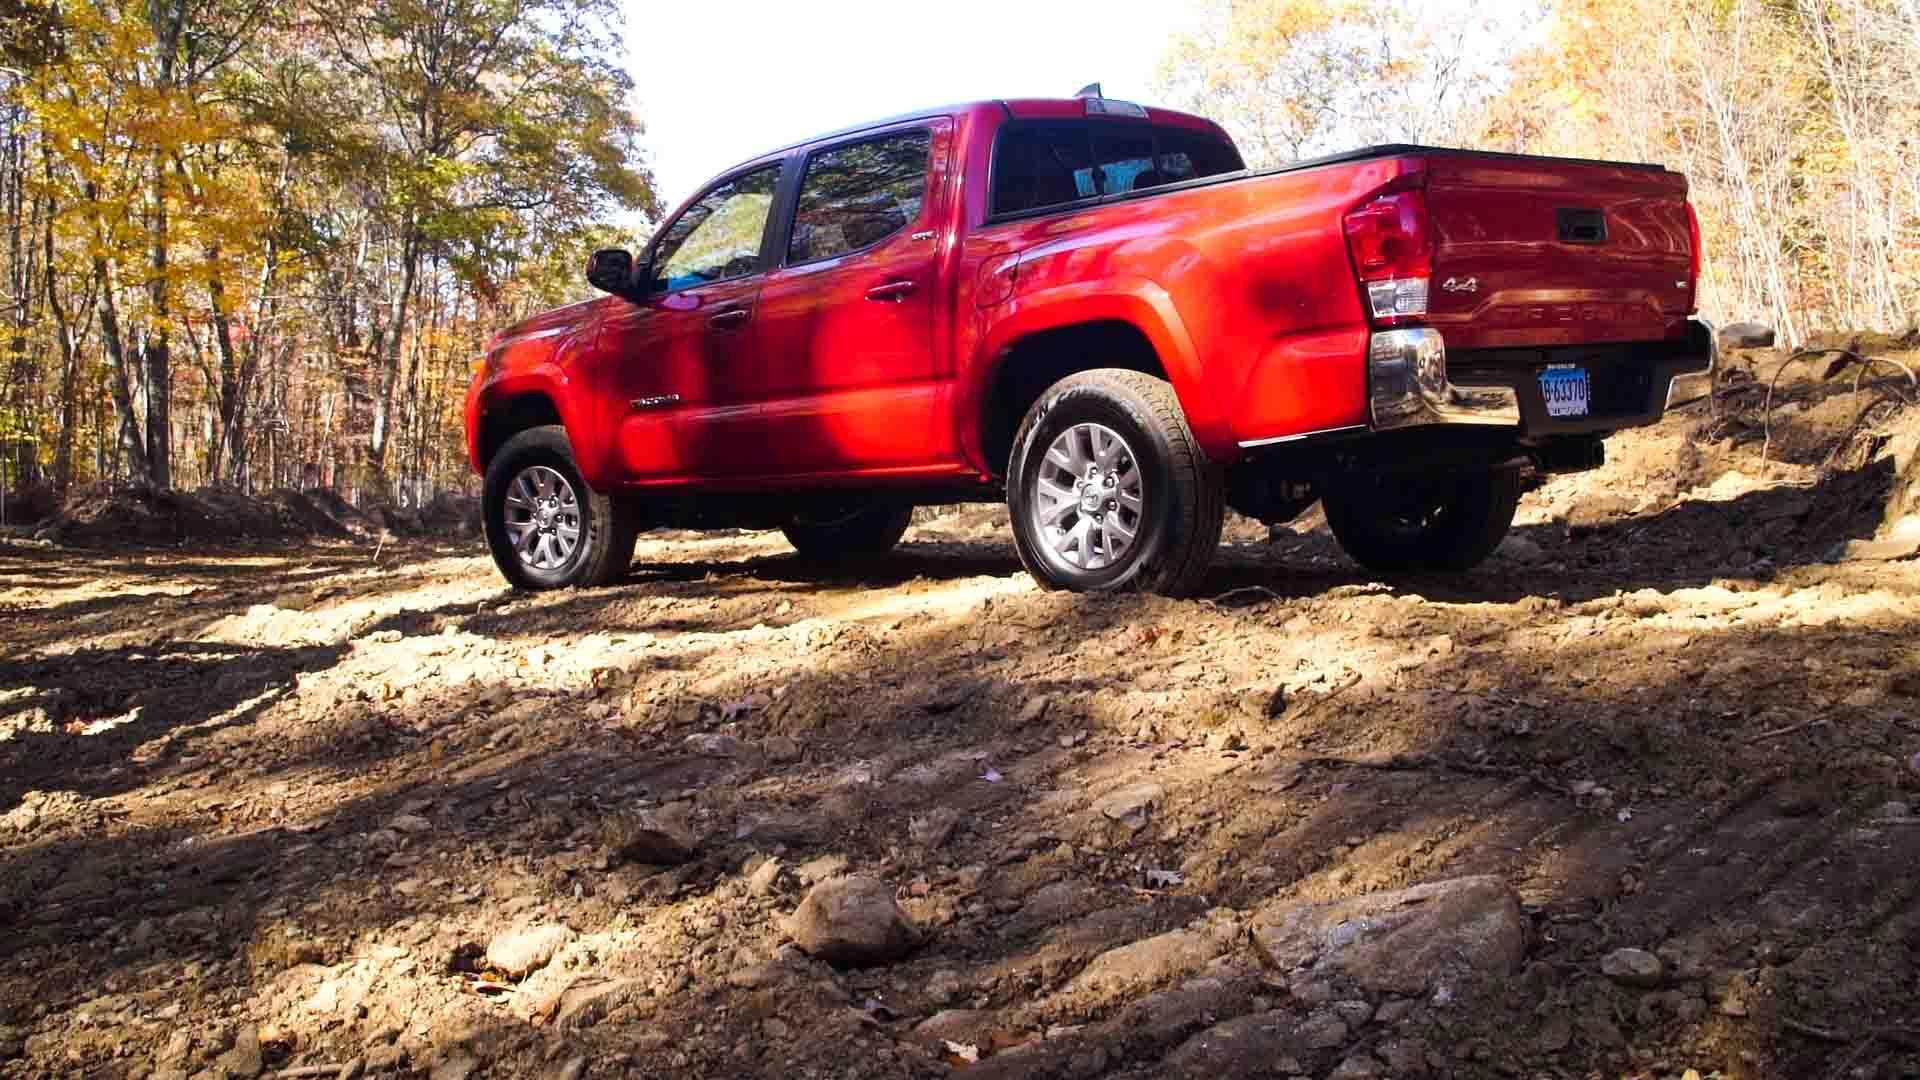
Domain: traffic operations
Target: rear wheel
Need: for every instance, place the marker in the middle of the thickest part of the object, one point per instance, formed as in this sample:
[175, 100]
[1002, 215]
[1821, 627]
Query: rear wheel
[1440, 519]
[545, 527]
[858, 531]
[1108, 490]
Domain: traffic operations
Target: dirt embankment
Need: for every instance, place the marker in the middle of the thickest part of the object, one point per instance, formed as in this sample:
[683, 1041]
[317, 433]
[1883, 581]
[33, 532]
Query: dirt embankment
[1635, 799]
[118, 516]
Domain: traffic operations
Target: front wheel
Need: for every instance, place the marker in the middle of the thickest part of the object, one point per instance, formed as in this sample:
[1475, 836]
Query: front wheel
[1438, 519]
[545, 527]
[1108, 490]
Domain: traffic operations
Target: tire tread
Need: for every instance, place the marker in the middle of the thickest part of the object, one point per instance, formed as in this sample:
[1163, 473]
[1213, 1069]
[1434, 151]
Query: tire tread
[1178, 569]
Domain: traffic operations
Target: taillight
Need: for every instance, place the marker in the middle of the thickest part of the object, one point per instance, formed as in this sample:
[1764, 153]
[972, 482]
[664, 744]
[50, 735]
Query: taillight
[1693, 256]
[1391, 240]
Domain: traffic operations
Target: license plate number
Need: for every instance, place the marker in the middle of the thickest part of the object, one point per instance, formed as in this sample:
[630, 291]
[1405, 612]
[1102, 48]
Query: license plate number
[1564, 386]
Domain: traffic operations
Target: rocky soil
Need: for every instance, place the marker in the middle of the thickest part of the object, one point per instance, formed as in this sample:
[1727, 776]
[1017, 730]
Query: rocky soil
[1634, 799]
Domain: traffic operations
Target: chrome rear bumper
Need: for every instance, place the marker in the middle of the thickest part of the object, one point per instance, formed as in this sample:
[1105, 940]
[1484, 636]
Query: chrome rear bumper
[1407, 386]
[1691, 386]
[1410, 383]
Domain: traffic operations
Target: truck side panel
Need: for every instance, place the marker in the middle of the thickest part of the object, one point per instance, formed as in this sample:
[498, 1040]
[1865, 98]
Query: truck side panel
[1253, 272]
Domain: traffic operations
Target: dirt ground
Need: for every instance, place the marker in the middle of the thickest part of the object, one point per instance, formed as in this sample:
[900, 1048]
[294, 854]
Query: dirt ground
[266, 811]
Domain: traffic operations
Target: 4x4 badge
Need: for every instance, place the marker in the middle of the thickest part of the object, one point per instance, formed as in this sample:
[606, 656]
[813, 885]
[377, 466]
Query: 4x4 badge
[1472, 284]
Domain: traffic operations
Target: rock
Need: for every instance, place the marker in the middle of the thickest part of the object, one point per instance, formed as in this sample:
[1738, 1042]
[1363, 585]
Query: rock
[1311, 992]
[1633, 967]
[1405, 1057]
[325, 997]
[410, 824]
[765, 878]
[1600, 1031]
[1323, 1030]
[931, 829]
[852, 922]
[1445, 936]
[1914, 763]
[754, 975]
[1354, 1013]
[1746, 335]
[1356, 1067]
[1594, 512]
[716, 745]
[455, 1064]
[1148, 962]
[1130, 805]
[1555, 1035]
[588, 1001]
[1245, 1046]
[1520, 549]
[662, 837]
[519, 953]
[815, 871]
[573, 1069]
[1225, 739]
[177, 1051]
[944, 986]
[960, 1025]
[791, 829]
[782, 749]
[243, 1059]
[1394, 1011]
[1901, 540]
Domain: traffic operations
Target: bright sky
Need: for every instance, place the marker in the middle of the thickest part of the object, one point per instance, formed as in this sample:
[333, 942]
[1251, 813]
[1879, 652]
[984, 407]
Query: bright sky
[723, 80]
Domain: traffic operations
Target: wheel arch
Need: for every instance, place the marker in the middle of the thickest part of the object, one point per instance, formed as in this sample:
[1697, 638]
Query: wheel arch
[510, 416]
[1057, 332]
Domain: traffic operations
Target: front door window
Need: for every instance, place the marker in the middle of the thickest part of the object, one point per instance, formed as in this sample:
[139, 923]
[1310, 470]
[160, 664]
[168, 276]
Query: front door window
[719, 236]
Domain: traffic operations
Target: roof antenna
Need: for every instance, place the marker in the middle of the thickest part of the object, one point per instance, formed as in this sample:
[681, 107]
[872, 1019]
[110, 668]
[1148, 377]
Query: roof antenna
[1090, 90]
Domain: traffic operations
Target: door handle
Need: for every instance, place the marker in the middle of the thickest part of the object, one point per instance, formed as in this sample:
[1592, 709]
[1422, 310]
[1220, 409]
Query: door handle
[892, 290]
[727, 320]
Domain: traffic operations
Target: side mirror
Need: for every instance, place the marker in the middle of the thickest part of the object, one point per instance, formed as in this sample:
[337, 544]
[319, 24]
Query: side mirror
[611, 271]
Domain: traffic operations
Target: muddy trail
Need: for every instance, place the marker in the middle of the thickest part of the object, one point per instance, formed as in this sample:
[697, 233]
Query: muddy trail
[1633, 799]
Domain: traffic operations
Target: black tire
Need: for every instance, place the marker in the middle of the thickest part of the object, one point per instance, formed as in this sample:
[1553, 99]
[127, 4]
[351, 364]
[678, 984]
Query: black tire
[859, 532]
[1442, 519]
[608, 525]
[1182, 500]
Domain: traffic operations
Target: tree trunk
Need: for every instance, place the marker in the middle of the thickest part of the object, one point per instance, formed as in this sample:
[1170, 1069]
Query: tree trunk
[231, 388]
[130, 441]
[69, 360]
[158, 353]
[250, 365]
[389, 375]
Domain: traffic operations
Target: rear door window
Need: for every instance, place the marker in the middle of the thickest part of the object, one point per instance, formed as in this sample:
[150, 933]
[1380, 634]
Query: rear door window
[856, 195]
[1042, 165]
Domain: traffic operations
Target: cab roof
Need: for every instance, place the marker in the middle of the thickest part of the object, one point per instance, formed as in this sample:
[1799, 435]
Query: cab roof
[1014, 108]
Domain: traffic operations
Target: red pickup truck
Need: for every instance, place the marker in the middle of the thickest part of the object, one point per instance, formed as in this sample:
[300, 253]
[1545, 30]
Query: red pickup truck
[1094, 311]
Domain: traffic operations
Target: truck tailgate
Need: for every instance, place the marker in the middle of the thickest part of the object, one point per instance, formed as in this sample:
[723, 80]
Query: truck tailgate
[1547, 251]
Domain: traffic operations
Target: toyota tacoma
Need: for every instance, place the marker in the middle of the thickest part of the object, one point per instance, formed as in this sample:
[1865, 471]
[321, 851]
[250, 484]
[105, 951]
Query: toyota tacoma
[1094, 311]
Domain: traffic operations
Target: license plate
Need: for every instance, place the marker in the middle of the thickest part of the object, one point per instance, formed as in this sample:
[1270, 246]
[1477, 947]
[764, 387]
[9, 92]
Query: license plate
[1565, 388]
